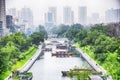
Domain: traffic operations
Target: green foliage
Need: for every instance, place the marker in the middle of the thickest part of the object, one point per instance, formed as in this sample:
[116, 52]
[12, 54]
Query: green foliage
[60, 30]
[100, 28]
[101, 47]
[43, 31]
[13, 48]
[113, 68]
[73, 31]
[39, 36]
[89, 50]
[83, 75]
[68, 31]
[103, 51]
[79, 75]
[16, 75]
[81, 35]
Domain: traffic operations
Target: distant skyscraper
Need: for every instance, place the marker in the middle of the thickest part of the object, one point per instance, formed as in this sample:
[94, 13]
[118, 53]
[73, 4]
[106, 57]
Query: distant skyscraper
[26, 16]
[49, 20]
[118, 14]
[72, 17]
[68, 16]
[112, 15]
[19, 20]
[9, 21]
[3, 16]
[1, 29]
[53, 10]
[12, 12]
[50, 17]
[82, 15]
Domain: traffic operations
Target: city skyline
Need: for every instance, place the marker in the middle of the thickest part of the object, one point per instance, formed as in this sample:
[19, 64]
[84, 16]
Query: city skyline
[40, 7]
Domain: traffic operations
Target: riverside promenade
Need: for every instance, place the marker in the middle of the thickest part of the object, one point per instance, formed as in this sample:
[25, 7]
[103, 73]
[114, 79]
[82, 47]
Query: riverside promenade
[93, 64]
[29, 63]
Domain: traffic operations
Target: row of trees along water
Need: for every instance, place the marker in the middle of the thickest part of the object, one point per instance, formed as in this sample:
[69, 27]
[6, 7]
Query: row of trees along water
[98, 41]
[14, 48]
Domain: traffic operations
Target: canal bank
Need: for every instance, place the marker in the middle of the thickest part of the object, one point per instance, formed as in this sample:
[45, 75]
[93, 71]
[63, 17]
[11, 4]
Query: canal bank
[29, 63]
[93, 64]
[49, 67]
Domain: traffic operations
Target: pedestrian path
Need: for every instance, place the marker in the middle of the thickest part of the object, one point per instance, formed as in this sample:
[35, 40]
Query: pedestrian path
[30, 62]
[93, 64]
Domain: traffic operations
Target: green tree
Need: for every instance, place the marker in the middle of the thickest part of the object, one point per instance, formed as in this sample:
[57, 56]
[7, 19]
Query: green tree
[61, 30]
[37, 37]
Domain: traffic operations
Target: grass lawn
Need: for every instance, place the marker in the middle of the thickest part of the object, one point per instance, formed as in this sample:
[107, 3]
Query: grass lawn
[21, 63]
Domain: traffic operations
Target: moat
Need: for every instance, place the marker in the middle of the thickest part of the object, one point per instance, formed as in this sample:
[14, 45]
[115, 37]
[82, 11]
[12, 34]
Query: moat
[49, 67]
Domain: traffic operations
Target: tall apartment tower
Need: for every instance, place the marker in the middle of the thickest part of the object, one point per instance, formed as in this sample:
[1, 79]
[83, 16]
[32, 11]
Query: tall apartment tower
[112, 15]
[49, 20]
[26, 16]
[12, 12]
[68, 16]
[82, 15]
[53, 10]
[72, 17]
[3, 16]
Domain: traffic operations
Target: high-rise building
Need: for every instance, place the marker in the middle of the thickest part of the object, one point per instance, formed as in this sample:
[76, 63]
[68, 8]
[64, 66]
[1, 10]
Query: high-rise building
[53, 10]
[72, 17]
[49, 20]
[118, 15]
[3, 16]
[9, 21]
[1, 29]
[12, 12]
[50, 17]
[68, 16]
[18, 21]
[112, 15]
[26, 16]
[82, 15]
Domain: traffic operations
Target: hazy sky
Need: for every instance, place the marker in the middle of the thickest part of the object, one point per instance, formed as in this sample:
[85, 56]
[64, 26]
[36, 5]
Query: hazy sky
[39, 7]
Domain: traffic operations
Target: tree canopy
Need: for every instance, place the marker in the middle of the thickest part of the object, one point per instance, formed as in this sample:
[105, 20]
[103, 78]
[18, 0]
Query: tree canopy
[12, 47]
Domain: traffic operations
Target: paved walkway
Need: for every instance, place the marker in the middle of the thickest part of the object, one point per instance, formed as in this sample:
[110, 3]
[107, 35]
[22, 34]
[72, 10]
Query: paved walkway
[96, 66]
[30, 62]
